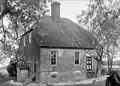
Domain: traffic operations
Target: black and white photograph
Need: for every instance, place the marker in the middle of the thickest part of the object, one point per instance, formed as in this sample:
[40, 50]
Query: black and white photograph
[59, 42]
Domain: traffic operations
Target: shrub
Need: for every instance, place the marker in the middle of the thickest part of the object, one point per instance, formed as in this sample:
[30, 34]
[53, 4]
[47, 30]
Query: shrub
[12, 68]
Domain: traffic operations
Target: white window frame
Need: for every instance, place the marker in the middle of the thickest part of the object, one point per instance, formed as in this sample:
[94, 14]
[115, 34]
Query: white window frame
[30, 37]
[75, 57]
[55, 57]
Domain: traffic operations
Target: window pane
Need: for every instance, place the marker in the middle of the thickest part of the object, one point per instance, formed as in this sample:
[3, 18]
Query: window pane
[53, 57]
[24, 41]
[35, 65]
[89, 62]
[89, 67]
[30, 37]
[76, 57]
[27, 29]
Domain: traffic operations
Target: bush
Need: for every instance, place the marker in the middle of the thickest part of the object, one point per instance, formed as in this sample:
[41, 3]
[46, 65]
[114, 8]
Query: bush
[104, 71]
[12, 68]
[22, 63]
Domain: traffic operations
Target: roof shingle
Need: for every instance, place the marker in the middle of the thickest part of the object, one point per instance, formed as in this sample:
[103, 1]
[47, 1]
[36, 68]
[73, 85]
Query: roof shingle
[63, 34]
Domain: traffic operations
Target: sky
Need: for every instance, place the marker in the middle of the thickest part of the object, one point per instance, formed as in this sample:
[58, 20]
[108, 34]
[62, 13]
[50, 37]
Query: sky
[71, 8]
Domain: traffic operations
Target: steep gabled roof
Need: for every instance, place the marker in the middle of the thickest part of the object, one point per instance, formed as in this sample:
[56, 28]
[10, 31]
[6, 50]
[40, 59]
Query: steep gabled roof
[63, 34]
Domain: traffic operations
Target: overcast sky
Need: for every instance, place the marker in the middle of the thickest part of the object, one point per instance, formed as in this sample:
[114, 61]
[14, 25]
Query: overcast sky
[71, 8]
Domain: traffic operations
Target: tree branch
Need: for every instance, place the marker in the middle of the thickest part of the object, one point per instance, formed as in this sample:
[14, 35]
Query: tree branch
[113, 17]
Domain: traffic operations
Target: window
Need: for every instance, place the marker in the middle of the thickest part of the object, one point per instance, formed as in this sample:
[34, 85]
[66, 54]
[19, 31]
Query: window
[27, 29]
[34, 66]
[53, 58]
[30, 37]
[27, 39]
[24, 41]
[34, 69]
[89, 63]
[77, 61]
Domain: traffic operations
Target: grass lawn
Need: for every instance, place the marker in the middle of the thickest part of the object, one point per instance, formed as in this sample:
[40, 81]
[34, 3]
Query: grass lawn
[4, 77]
[3, 71]
[101, 83]
[6, 84]
[4, 80]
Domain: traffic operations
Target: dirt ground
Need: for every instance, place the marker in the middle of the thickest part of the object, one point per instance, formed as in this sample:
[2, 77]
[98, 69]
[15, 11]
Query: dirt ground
[6, 84]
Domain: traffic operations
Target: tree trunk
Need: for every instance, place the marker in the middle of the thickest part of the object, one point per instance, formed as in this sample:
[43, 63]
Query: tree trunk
[109, 61]
[110, 64]
[97, 68]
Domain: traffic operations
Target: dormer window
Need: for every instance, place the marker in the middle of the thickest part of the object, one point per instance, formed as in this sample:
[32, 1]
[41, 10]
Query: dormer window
[24, 41]
[93, 42]
[30, 37]
[26, 29]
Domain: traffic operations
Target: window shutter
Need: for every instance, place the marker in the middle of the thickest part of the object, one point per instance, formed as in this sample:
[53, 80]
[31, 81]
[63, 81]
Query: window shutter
[89, 63]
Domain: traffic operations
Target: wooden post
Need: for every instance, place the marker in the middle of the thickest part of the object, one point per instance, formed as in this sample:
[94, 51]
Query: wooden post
[38, 70]
[18, 74]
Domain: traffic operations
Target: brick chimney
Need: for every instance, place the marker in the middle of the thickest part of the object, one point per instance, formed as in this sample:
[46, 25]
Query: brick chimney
[55, 11]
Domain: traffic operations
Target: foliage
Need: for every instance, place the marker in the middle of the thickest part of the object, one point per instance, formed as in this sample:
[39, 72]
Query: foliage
[102, 20]
[22, 63]
[16, 17]
[11, 68]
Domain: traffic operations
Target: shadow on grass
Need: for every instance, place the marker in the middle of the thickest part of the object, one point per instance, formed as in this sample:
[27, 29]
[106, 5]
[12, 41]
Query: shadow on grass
[99, 83]
[5, 79]
[6, 84]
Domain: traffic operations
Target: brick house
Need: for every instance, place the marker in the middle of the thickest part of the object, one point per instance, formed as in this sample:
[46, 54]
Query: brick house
[59, 49]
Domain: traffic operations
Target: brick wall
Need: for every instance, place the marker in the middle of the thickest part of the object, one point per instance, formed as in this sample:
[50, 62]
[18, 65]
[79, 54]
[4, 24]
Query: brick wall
[66, 69]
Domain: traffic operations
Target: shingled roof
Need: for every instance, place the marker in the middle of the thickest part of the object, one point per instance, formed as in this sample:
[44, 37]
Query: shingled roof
[63, 34]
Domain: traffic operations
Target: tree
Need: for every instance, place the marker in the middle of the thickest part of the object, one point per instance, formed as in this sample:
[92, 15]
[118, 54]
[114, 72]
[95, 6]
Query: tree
[102, 20]
[20, 15]
[98, 59]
